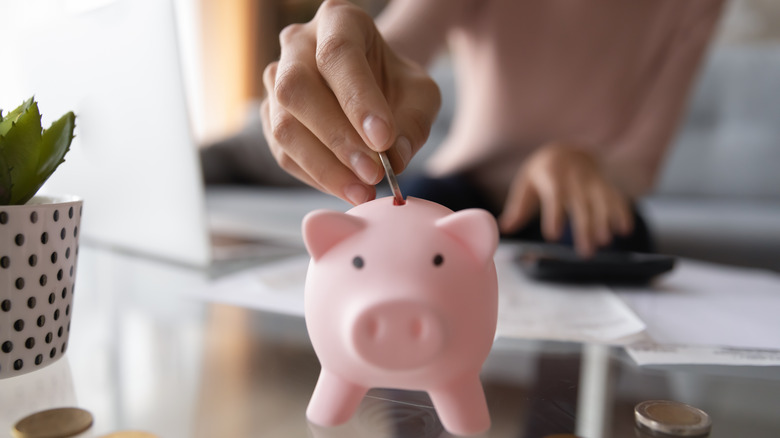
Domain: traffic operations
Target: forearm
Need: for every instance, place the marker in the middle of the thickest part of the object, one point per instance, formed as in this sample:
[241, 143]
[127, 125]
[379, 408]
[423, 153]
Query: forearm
[634, 160]
[417, 29]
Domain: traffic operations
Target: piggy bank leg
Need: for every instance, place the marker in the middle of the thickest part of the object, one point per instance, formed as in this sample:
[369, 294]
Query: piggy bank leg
[461, 406]
[334, 400]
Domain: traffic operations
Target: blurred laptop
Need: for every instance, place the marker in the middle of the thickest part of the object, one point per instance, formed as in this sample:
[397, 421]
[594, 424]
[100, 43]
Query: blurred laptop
[117, 65]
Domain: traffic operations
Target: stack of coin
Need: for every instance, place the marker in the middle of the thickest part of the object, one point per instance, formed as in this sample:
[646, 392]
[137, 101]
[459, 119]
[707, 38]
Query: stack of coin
[53, 423]
[64, 423]
[664, 418]
[130, 434]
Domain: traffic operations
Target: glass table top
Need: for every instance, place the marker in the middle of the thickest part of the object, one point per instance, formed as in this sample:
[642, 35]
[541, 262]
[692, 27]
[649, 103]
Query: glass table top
[145, 355]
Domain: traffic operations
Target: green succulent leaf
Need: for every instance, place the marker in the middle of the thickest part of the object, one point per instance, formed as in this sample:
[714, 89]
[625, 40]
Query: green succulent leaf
[8, 121]
[20, 148]
[29, 154]
[55, 143]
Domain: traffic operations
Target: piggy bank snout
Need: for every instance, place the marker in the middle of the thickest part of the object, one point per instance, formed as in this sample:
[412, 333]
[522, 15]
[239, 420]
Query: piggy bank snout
[397, 334]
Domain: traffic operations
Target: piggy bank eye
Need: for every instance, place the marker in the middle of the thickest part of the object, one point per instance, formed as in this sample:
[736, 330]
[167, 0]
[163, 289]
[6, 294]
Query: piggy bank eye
[358, 262]
[438, 259]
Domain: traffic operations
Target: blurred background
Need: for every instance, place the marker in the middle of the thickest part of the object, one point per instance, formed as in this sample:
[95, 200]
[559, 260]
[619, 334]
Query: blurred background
[227, 44]
[718, 197]
[237, 39]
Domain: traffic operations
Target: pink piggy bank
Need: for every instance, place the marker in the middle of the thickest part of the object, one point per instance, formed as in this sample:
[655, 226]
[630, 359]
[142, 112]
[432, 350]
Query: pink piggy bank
[401, 296]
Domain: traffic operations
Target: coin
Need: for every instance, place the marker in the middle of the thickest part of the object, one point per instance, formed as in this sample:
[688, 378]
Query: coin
[53, 423]
[130, 434]
[673, 418]
[399, 198]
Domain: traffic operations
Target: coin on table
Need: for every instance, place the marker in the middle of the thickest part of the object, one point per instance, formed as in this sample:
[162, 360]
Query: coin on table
[130, 434]
[53, 423]
[672, 418]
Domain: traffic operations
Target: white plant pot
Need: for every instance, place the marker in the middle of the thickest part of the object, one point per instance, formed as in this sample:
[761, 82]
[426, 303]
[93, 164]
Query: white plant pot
[38, 257]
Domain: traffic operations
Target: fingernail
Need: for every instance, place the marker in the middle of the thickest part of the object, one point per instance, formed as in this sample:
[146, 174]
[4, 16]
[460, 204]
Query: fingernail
[586, 249]
[404, 149]
[365, 168]
[553, 234]
[505, 224]
[603, 237]
[376, 130]
[356, 193]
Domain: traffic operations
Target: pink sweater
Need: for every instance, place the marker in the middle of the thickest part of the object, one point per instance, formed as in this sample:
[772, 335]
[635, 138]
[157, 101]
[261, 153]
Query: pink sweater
[608, 75]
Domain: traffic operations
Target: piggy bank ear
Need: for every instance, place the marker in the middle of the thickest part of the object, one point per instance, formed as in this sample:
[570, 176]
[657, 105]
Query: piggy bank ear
[475, 228]
[323, 229]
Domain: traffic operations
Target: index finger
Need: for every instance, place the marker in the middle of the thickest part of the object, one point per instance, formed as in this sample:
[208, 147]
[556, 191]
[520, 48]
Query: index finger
[350, 56]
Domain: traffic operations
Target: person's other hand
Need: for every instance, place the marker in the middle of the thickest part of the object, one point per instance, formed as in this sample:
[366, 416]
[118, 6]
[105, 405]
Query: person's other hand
[337, 96]
[559, 181]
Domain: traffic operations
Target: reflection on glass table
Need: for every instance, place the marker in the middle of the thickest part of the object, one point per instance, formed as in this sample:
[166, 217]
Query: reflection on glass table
[145, 354]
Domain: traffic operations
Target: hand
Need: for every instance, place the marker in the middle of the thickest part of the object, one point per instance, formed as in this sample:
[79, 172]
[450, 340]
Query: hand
[337, 96]
[560, 180]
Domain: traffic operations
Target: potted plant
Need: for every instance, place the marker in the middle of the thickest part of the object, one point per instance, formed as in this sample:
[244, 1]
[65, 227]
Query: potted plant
[38, 241]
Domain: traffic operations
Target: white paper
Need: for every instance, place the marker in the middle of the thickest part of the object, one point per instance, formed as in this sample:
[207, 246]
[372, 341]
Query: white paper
[273, 287]
[530, 309]
[527, 309]
[655, 354]
[702, 304]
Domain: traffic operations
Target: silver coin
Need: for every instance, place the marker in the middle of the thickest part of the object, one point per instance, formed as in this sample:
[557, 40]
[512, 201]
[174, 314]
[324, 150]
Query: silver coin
[399, 198]
[672, 418]
[130, 434]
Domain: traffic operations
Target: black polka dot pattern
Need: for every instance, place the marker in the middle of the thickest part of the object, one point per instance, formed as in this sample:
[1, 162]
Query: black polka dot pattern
[38, 257]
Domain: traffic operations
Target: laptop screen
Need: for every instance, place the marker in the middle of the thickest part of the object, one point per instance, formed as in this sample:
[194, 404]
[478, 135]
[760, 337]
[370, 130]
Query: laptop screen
[133, 161]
